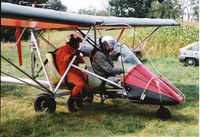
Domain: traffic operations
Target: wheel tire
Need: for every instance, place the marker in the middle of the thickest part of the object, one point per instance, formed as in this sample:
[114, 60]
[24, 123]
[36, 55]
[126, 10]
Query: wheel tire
[163, 113]
[89, 98]
[190, 62]
[45, 103]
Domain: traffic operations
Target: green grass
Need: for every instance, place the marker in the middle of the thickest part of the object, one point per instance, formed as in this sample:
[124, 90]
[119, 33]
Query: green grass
[114, 117]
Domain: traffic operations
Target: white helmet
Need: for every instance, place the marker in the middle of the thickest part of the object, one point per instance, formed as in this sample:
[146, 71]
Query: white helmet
[110, 40]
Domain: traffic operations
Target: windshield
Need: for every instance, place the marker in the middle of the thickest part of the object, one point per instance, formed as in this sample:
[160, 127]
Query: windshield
[128, 57]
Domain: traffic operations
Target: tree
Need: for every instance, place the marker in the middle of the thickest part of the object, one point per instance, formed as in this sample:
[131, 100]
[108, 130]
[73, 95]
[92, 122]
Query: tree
[191, 9]
[90, 11]
[57, 5]
[93, 11]
[167, 9]
[8, 34]
[131, 8]
[195, 9]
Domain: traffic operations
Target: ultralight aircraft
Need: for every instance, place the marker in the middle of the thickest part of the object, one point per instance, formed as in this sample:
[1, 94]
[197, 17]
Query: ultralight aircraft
[141, 85]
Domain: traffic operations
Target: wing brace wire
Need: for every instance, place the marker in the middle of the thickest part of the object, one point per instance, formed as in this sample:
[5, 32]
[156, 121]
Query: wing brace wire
[18, 39]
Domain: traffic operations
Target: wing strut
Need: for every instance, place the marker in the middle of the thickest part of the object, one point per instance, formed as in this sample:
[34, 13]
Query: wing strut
[46, 89]
[120, 35]
[141, 43]
[18, 40]
[22, 81]
[45, 40]
[89, 40]
[41, 60]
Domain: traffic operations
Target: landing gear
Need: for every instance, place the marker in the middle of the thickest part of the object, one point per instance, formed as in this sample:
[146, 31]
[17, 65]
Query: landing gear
[163, 113]
[45, 103]
[89, 98]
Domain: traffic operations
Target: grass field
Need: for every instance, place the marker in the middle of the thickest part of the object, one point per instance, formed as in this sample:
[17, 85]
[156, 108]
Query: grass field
[114, 117]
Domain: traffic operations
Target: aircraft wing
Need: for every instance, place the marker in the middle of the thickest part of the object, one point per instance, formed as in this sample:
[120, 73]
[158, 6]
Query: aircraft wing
[18, 15]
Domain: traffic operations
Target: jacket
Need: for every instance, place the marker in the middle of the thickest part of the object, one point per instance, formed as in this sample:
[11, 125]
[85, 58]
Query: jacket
[63, 59]
[103, 65]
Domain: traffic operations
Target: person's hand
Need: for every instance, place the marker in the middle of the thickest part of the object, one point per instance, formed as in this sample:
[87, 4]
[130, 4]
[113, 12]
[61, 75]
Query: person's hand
[128, 70]
[76, 53]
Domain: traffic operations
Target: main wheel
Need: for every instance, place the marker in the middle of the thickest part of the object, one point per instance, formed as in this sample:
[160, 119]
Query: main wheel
[45, 103]
[190, 62]
[89, 98]
[163, 113]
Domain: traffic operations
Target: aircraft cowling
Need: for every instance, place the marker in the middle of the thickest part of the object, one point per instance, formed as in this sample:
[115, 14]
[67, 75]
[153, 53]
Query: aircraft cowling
[146, 87]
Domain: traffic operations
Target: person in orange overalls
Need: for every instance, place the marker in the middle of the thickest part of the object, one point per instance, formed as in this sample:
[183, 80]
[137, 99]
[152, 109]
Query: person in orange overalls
[63, 57]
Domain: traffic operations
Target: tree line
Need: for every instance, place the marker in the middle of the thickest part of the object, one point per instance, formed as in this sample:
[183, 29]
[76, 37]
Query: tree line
[8, 34]
[177, 9]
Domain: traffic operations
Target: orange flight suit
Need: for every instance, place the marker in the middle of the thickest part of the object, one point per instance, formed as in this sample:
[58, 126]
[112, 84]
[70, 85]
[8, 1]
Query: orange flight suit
[74, 75]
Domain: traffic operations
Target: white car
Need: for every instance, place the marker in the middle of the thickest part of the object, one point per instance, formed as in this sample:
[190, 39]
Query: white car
[190, 54]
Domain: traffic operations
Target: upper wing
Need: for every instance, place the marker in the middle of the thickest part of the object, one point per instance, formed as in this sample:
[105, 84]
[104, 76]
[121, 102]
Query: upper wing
[17, 15]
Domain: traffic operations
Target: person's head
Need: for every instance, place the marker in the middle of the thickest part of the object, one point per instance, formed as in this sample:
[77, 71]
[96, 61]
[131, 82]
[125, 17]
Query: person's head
[109, 43]
[74, 40]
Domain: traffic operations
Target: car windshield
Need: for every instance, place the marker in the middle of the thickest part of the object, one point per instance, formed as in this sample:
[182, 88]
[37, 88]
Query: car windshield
[128, 57]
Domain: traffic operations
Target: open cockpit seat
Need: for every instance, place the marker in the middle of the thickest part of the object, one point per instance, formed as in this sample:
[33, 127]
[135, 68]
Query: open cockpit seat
[55, 76]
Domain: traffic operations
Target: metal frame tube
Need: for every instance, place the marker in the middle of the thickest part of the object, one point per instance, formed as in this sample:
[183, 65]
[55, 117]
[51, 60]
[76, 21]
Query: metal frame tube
[32, 55]
[47, 90]
[95, 35]
[22, 81]
[70, 64]
[45, 40]
[120, 35]
[102, 78]
[41, 60]
[89, 40]
[141, 43]
[146, 38]
[18, 39]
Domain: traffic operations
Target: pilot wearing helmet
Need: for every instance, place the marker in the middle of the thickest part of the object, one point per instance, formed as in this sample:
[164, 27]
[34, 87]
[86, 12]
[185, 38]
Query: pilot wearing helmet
[102, 62]
[63, 57]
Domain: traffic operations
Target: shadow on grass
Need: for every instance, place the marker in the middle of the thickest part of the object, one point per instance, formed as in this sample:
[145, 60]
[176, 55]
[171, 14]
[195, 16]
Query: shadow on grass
[13, 90]
[191, 92]
[94, 120]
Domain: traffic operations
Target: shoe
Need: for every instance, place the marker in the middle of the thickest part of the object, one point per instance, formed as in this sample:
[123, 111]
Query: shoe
[79, 101]
[70, 104]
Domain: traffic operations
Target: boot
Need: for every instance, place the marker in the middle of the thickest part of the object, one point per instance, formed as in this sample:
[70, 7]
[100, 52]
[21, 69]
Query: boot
[79, 101]
[70, 104]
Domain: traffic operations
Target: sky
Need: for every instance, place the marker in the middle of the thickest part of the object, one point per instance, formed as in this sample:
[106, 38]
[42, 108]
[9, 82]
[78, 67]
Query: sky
[75, 5]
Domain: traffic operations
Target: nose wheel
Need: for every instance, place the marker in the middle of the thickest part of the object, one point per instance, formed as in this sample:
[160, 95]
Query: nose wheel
[45, 103]
[163, 113]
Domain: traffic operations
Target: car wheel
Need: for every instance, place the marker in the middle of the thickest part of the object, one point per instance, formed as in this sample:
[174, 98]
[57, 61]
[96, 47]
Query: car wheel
[190, 62]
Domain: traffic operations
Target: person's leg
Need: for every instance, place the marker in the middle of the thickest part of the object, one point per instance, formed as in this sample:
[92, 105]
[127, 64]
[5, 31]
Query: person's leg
[78, 86]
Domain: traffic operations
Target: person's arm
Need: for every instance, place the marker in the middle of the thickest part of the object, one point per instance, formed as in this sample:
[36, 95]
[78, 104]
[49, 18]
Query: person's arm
[67, 58]
[106, 67]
